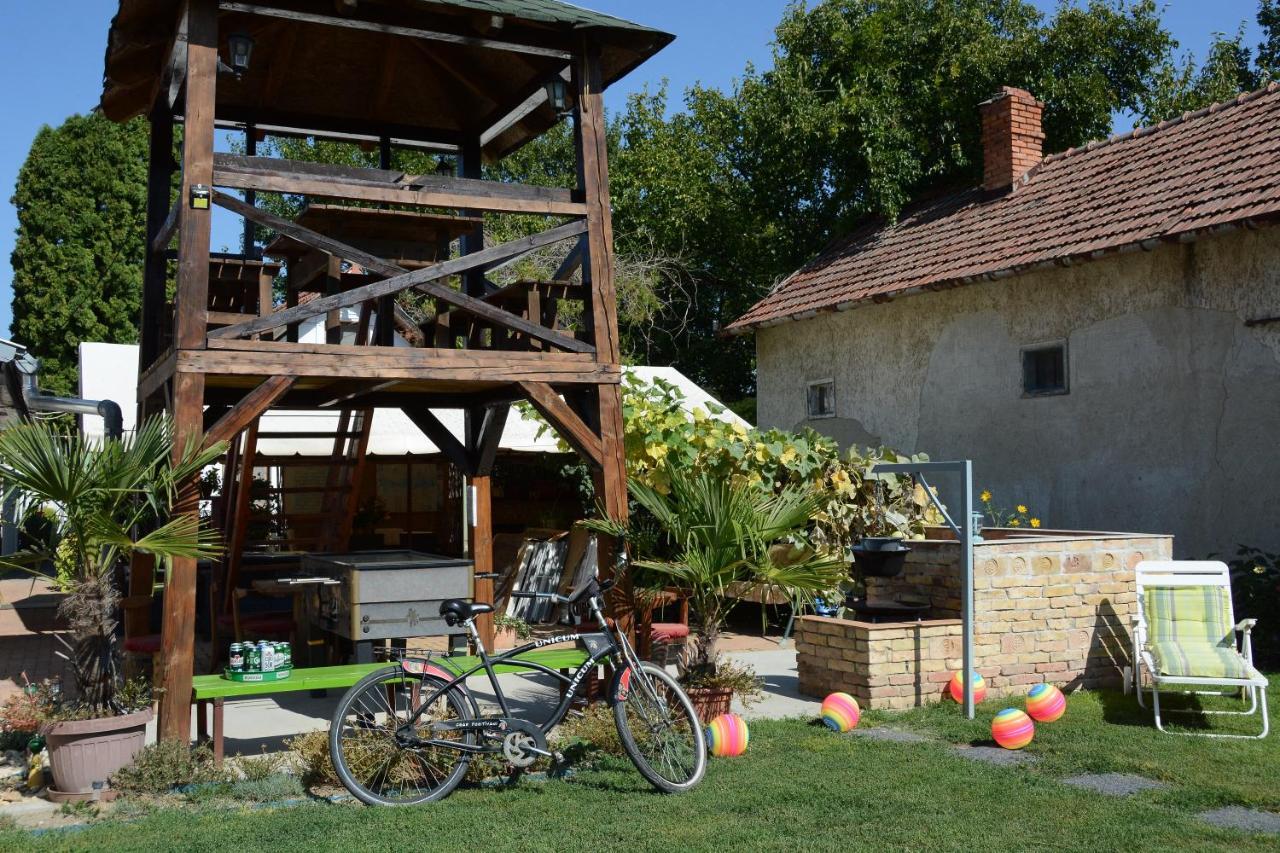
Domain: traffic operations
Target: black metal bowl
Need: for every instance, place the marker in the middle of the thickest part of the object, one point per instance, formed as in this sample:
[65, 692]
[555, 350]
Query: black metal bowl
[880, 557]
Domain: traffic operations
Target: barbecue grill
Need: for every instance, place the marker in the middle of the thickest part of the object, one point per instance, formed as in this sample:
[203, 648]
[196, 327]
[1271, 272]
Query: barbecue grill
[382, 595]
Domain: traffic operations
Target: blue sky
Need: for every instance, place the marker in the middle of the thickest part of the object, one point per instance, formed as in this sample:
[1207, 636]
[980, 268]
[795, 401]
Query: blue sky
[52, 65]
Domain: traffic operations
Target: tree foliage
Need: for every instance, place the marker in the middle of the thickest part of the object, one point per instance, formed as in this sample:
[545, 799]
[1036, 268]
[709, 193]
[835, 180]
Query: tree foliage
[77, 261]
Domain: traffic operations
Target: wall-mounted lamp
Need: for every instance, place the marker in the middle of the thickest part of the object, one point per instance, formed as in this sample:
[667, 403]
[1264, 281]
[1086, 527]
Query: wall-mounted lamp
[240, 48]
[558, 95]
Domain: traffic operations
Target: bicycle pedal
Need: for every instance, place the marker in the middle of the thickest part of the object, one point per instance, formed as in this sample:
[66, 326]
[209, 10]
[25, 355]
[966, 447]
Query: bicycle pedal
[557, 757]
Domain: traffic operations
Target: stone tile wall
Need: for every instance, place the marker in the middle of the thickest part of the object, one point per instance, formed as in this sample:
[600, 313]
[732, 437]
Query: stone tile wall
[1056, 607]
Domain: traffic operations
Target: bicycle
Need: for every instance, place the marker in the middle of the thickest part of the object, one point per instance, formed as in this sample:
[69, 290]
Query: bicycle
[391, 746]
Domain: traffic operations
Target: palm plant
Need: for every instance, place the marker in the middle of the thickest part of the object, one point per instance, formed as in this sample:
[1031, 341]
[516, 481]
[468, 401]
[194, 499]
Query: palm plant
[721, 539]
[109, 500]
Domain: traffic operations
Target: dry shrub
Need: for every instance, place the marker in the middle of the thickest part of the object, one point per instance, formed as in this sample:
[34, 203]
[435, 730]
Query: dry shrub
[595, 728]
[161, 767]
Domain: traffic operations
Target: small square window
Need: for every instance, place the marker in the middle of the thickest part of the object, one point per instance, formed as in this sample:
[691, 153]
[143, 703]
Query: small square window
[1044, 370]
[822, 399]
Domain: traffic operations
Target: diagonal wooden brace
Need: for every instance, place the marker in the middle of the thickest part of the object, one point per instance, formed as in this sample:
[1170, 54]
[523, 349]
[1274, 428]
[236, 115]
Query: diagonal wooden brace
[565, 421]
[453, 450]
[424, 279]
[248, 409]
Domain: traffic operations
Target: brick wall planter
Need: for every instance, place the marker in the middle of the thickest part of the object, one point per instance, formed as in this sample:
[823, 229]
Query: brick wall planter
[1051, 607]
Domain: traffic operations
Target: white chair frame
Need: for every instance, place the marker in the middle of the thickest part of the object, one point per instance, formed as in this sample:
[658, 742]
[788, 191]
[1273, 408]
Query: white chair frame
[1192, 573]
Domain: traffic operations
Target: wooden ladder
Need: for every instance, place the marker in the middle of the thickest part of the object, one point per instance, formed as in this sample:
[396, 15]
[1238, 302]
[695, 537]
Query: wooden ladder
[328, 529]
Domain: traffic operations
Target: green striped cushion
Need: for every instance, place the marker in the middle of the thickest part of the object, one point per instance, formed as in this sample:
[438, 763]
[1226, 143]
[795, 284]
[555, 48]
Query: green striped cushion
[1198, 660]
[1190, 633]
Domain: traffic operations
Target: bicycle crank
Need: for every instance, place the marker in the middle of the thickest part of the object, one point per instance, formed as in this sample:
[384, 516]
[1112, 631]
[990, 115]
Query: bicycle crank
[524, 743]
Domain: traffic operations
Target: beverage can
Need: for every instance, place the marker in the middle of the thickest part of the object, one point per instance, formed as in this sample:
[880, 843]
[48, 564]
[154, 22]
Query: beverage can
[253, 658]
[268, 656]
[236, 657]
[284, 659]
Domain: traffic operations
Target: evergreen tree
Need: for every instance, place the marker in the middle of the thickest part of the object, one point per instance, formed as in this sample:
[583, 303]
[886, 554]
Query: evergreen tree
[77, 261]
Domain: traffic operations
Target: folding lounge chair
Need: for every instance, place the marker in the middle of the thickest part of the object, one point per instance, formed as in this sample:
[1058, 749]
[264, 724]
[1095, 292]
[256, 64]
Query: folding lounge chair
[1185, 637]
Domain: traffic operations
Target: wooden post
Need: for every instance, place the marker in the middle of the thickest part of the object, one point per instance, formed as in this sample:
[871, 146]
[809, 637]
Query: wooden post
[482, 552]
[178, 632]
[597, 271]
[160, 167]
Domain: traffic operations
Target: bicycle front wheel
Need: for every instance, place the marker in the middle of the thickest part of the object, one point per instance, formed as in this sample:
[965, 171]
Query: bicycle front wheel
[659, 729]
[376, 767]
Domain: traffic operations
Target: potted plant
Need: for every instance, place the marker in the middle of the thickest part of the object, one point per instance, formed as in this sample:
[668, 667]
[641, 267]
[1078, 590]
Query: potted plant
[510, 631]
[717, 540]
[104, 495]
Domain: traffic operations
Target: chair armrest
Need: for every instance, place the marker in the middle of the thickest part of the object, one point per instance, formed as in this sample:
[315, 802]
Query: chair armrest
[1246, 625]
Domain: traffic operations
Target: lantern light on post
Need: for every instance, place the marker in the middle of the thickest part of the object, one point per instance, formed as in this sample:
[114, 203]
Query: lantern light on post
[558, 95]
[240, 48]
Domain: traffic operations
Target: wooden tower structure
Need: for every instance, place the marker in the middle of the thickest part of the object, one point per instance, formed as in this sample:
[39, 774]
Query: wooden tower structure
[471, 79]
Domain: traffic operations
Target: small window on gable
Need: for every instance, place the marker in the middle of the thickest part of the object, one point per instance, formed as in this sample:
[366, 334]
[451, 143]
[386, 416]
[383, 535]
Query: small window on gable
[822, 399]
[1044, 370]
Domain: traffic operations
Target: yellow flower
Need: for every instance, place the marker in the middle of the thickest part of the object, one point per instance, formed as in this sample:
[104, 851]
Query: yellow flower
[1035, 522]
[1022, 508]
[985, 497]
[1015, 523]
[788, 455]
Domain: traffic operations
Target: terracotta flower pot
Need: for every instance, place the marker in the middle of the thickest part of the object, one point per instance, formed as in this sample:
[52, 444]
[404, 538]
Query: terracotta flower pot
[85, 752]
[710, 702]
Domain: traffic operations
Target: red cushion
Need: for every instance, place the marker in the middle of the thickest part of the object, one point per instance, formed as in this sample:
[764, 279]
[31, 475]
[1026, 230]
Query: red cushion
[147, 644]
[668, 632]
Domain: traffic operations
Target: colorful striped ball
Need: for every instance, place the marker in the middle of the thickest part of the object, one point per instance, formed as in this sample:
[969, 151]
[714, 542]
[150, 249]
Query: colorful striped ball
[1045, 703]
[727, 736]
[956, 687]
[840, 712]
[1012, 729]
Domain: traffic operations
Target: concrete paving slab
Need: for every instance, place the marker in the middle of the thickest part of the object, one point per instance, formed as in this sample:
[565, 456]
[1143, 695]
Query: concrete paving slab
[781, 699]
[996, 755]
[1115, 784]
[1248, 820]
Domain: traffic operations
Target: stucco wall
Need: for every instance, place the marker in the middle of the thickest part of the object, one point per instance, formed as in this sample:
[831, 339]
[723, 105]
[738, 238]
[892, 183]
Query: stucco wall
[1173, 416]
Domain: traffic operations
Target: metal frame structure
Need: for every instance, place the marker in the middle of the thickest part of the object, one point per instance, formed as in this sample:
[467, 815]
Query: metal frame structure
[964, 533]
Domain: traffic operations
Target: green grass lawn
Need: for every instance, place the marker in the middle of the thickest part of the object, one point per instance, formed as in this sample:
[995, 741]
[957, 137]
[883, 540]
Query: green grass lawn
[799, 787]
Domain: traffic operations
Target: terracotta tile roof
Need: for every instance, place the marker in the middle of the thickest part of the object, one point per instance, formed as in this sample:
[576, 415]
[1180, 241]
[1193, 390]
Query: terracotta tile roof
[1207, 169]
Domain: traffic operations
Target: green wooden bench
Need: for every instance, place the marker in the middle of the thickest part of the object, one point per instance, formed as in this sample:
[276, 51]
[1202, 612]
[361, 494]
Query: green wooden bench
[213, 690]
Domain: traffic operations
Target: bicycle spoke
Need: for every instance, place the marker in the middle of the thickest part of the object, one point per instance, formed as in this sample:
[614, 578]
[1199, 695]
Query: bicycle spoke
[372, 759]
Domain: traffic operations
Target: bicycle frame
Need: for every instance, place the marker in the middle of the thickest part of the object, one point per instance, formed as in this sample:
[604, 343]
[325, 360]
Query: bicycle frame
[600, 646]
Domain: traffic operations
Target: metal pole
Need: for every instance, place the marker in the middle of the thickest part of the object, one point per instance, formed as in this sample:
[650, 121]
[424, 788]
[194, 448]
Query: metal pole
[966, 558]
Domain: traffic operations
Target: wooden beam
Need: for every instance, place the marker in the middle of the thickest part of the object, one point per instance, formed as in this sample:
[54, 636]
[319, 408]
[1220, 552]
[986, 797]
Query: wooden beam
[236, 171]
[572, 262]
[594, 176]
[249, 409]
[240, 514]
[424, 279]
[489, 438]
[392, 29]
[482, 373]
[535, 99]
[160, 168]
[178, 630]
[192, 296]
[564, 421]
[482, 552]
[598, 273]
[441, 436]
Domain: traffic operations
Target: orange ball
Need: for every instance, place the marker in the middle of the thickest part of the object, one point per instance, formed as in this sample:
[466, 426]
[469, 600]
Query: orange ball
[956, 687]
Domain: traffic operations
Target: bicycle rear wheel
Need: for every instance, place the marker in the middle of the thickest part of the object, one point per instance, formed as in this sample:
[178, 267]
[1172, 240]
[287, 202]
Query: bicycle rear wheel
[372, 764]
[659, 729]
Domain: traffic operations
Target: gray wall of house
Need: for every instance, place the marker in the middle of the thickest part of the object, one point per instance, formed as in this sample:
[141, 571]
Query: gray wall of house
[1172, 420]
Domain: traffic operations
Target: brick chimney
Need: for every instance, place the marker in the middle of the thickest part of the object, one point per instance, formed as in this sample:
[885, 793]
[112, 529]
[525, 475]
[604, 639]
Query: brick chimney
[1012, 141]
